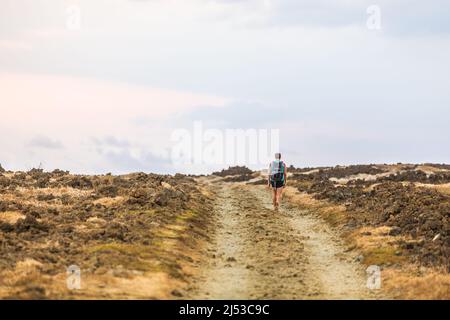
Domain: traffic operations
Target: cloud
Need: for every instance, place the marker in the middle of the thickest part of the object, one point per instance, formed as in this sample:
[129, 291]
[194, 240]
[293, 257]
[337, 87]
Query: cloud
[237, 114]
[399, 18]
[119, 18]
[15, 45]
[125, 161]
[85, 105]
[94, 120]
[113, 91]
[122, 155]
[110, 141]
[45, 143]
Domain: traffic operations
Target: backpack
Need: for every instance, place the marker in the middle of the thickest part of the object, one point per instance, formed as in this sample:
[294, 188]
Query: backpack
[277, 171]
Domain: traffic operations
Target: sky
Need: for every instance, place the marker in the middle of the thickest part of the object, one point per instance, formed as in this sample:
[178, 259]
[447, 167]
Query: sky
[97, 86]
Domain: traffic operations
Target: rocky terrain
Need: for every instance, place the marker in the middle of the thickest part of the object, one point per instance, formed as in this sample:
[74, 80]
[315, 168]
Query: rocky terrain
[392, 196]
[150, 236]
[112, 227]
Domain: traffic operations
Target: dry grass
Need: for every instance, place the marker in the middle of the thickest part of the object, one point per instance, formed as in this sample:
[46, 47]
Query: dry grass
[206, 192]
[26, 281]
[72, 192]
[383, 255]
[109, 202]
[442, 188]
[377, 246]
[411, 283]
[371, 187]
[25, 273]
[430, 170]
[119, 247]
[92, 231]
[18, 198]
[29, 196]
[156, 285]
[11, 216]
[311, 171]
[334, 214]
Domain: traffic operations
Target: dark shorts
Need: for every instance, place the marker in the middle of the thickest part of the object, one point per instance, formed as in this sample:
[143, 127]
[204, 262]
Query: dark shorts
[277, 184]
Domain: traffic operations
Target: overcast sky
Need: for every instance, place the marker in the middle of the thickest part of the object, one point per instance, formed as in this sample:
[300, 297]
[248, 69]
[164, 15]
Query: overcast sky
[105, 94]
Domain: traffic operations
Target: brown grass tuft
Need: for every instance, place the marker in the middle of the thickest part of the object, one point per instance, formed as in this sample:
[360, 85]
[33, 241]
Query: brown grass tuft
[11, 216]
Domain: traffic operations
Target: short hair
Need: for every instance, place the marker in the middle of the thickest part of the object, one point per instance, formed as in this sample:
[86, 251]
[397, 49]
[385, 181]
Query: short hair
[278, 155]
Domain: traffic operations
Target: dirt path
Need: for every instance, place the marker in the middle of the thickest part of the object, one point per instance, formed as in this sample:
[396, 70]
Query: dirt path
[261, 254]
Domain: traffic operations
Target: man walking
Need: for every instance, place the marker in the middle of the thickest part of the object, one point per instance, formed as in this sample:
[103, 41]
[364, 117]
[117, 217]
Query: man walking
[277, 179]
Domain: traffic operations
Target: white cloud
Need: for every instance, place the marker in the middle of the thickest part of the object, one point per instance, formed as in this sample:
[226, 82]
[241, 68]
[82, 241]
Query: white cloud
[86, 115]
[135, 67]
[45, 143]
[13, 45]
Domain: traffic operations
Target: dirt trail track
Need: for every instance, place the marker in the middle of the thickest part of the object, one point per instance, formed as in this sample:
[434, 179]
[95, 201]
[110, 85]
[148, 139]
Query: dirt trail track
[258, 253]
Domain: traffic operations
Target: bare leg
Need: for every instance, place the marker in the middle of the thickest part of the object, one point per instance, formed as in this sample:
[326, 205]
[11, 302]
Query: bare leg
[277, 199]
[274, 197]
[278, 196]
